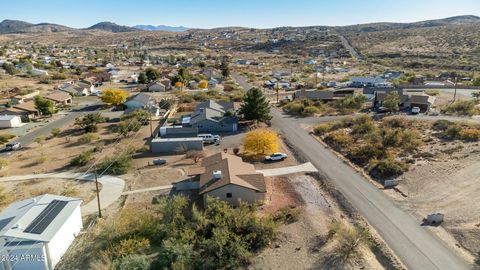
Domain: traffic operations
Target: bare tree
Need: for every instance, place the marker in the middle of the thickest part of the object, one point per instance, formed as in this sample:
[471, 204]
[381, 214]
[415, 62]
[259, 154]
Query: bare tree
[195, 155]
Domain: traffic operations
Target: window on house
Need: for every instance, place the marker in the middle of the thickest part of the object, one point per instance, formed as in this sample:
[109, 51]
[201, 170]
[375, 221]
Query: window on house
[229, 195]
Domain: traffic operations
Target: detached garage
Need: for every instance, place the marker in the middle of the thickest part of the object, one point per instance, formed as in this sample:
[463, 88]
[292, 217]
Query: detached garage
[9, 121]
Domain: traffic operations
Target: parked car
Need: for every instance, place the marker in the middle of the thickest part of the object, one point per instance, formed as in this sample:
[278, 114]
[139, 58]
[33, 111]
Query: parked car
[276, 157]
[415, 110]
[209, 138]
[13, 146]
[159, 162]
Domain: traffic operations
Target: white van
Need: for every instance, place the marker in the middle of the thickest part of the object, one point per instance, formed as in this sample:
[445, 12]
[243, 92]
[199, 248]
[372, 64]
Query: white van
[209, 138]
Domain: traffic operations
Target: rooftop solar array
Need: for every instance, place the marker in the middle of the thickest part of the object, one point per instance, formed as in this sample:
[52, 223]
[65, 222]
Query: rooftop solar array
[4, 222]
[41, 222]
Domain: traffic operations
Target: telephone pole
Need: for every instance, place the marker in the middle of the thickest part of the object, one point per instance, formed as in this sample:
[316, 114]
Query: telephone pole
[455, 93]
[98, 193]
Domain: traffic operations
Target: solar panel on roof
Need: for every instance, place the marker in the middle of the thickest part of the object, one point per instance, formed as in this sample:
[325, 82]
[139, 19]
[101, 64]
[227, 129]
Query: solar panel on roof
[4, 222]
[41, 222]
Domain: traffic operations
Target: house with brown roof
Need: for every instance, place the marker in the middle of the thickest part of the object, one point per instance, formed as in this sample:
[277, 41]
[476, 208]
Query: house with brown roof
[25, 110]
[59, 98]
[228, 178]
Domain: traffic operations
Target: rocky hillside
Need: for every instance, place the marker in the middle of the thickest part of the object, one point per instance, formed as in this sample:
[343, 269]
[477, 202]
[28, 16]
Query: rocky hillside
[112, 27]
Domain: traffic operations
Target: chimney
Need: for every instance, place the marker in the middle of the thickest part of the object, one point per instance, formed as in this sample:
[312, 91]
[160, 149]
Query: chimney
[217, 175]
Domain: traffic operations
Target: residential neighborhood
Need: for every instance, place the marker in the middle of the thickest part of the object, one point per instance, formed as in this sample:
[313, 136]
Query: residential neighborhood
[239, 142]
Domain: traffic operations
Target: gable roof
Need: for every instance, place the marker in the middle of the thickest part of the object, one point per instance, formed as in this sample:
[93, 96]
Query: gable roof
[233, 172]
[58, 96]
[28, 106]
[38, 218]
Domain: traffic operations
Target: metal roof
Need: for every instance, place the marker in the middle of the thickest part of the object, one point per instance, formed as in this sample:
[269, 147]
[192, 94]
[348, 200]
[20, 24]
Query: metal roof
[38, 218]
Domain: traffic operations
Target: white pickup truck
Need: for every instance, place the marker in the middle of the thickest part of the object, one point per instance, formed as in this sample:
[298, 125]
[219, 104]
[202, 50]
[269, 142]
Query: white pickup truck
[209, 138]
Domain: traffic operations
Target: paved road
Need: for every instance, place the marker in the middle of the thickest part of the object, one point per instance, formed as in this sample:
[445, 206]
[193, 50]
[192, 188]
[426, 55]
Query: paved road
[349, 47]
[29, 138]
[416, 247]
[242, 81]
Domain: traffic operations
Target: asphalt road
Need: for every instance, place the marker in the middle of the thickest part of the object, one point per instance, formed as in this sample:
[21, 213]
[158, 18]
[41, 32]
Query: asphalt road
[416, 247]
[242, 81]
[45, 130]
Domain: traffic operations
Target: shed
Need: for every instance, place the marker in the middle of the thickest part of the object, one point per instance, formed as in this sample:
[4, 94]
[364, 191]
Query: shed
[175, 145]
[38, 231]
[10, 121]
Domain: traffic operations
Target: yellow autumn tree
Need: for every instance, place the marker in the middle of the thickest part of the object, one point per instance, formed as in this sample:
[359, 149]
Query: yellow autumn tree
[114, 97]
[203, 84]
[179, 84]
[261, 141]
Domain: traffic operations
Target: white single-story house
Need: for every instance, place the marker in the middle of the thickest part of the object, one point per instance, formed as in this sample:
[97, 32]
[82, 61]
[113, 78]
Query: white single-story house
[9, 121]
[35, 233]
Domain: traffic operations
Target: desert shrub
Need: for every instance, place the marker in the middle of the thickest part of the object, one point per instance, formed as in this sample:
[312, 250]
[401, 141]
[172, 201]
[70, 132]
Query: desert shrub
[452, 132]
[442, 125]
[321, 129]
[432, 92]
[288, 214]
[221, 237]
[470, 134]
[363, 129]
[194, 155]
[354, 102]
[3, 163]
[461, 107]
[4, 138]
[5, 197]
[395, 122]
[310, 110]
[294, 107]
[116, 164]
[55, 132]
[186, 98]
[82, 159]
[89, 122]
[389, 168]
[409, 140]
[364, 154]
[87, 138]
[131, 246]
[347, 250]
[132, 262]
[338, 140]
[391, 137]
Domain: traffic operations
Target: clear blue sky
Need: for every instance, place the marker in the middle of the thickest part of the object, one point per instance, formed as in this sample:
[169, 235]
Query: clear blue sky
[217, 13]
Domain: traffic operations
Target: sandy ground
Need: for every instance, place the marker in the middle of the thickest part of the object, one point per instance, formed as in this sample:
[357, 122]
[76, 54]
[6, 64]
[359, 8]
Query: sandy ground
[301, 245]
[21, 190]
[448, 184]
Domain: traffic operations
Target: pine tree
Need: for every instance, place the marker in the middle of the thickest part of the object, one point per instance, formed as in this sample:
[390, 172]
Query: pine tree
[142, 78]
[255, 106]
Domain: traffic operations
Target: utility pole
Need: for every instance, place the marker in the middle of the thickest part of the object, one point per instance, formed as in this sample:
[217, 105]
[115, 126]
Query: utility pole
[98, 193]
[455, 93]
[278, 89]
[150, 120]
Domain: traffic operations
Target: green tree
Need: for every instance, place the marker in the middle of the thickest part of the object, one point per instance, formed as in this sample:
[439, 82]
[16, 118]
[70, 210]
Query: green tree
[89, 122]
[225, 69]
[255, 106]
[152, 74]
[142, 78]
[9, 68]
[392, 102]
[44, 106]
[476, 81]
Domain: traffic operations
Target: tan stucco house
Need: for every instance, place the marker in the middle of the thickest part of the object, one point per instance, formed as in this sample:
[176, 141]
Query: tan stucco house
[228, 178]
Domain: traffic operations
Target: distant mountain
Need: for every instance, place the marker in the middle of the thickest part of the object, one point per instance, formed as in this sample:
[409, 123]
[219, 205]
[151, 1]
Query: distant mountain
[374, 27]
[112, 27]
[12, 26]
[162, 28]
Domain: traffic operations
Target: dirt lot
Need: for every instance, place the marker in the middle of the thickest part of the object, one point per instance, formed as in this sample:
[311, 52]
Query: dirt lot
[21, 190]
[301, 244]
[448, 184]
